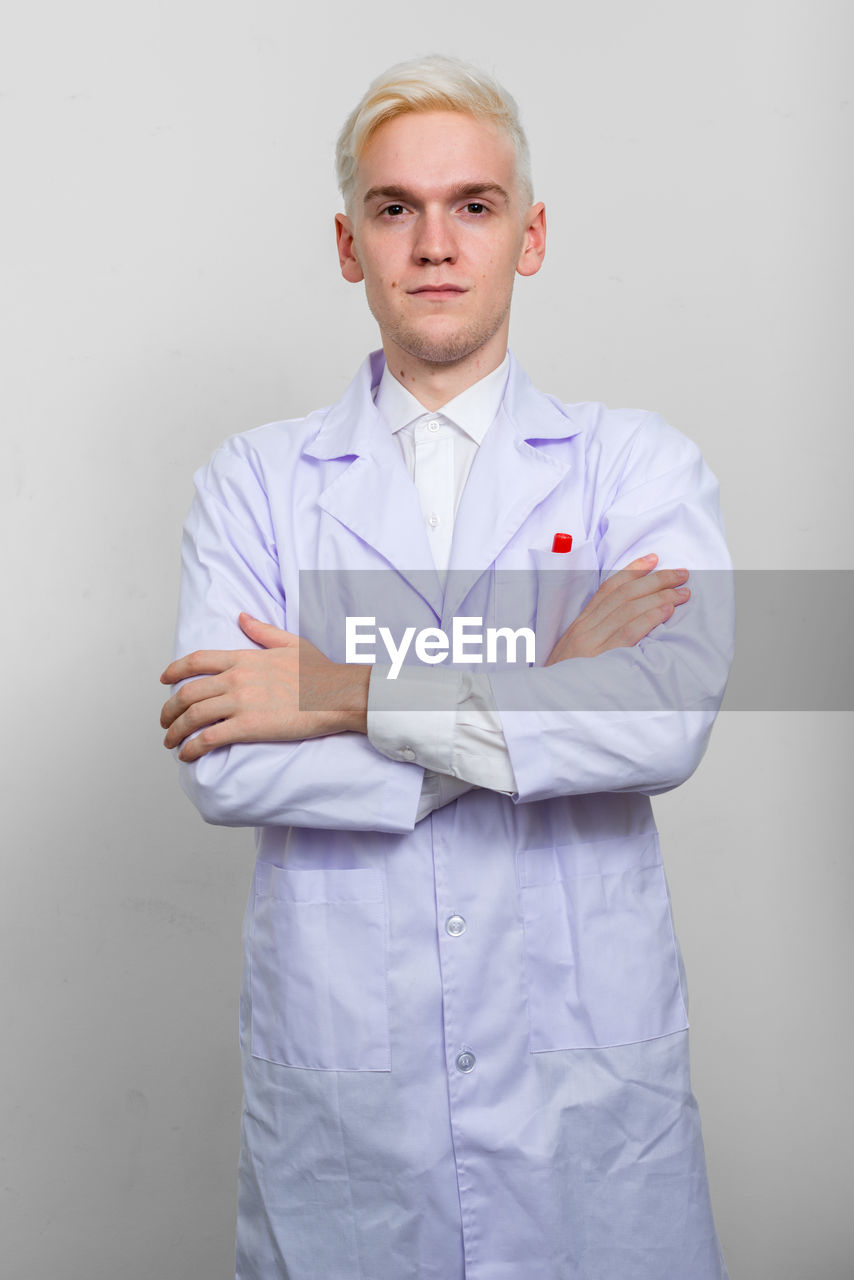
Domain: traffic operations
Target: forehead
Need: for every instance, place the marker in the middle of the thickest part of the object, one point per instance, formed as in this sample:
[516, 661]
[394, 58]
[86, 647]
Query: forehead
[436, 149]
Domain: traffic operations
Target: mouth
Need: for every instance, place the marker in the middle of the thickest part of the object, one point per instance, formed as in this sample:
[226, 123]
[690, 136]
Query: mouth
[438, 292]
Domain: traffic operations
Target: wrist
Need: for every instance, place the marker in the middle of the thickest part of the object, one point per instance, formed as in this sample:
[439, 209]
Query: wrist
[355, 678]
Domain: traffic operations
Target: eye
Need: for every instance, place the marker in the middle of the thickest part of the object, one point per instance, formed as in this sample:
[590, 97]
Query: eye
[393, 210]
[474, 206]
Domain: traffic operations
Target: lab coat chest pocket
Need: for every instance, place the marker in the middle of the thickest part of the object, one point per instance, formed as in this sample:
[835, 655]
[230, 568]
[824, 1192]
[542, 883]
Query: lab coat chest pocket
[318, 969]
[600, 953]
[565, 584]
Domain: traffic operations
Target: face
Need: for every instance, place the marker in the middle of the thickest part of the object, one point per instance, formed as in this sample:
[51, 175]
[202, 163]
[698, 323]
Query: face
[438, 230]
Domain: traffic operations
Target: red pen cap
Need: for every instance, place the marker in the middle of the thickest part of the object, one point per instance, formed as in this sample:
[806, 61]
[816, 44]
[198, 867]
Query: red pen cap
[562, 542]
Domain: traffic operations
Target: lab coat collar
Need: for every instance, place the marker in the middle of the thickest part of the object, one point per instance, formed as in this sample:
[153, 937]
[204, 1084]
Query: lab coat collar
[376, 499]
[350, 426]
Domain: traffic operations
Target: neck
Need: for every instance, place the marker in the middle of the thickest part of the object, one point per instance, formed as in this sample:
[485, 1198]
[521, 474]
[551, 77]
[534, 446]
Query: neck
[435, 384]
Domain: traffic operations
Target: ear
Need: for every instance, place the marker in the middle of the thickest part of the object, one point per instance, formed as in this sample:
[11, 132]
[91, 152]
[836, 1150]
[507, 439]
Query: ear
[534, 242]
[350, 268]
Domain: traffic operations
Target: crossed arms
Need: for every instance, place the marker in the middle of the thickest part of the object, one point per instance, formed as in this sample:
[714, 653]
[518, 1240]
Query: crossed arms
[624, 702]
[254, 695]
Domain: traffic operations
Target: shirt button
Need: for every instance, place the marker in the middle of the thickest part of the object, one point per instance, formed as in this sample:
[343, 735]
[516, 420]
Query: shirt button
[466, 1061]
[433, 425]
[455, 925]
[433, 520]
[407, 753]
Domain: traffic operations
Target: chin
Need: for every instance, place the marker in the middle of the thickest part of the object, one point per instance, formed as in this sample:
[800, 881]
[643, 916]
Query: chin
[443, 348]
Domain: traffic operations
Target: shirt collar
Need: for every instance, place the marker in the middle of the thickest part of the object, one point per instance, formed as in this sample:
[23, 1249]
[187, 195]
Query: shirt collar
[473, 410]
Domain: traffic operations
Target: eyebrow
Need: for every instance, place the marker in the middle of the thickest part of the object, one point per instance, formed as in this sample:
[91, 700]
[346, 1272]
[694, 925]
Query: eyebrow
[465, 190]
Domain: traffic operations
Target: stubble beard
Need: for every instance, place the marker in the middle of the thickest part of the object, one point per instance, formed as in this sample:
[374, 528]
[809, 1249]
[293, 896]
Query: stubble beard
[451, 349]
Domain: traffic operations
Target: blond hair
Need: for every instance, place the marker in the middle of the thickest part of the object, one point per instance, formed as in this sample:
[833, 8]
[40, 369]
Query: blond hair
[432, 83]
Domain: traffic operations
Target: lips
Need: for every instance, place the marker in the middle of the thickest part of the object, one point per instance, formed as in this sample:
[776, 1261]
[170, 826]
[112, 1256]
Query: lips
[438, 291]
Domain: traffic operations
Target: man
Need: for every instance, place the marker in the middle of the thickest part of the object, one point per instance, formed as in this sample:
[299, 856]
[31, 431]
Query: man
[463, 1018]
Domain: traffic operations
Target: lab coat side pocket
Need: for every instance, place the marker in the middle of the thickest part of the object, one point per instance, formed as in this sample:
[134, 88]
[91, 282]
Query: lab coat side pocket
[600, 952]
[318, 969]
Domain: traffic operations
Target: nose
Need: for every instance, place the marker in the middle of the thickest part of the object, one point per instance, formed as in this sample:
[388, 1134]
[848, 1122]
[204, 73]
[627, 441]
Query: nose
[435, 241]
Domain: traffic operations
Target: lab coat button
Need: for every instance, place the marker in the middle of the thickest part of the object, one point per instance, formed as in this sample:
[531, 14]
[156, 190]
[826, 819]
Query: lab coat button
[407, 753]
[466, 1061]
[433, 520]
[455, 925]
[433, 425]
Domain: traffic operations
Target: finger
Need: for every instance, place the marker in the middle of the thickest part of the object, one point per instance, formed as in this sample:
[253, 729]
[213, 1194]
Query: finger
[215, 735]
[644, 588]
[601, 602]
[621, 580]
[203, 662]
[606, 611]
[631, 584]
[657, 581]
[629, 573]
[264, 633]
[637, 619]
[641, 626]
[195, 691]
[199, 716]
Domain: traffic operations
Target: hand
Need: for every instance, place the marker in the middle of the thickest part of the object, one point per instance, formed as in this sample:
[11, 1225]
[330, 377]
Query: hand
[623, 610]
[254, 695]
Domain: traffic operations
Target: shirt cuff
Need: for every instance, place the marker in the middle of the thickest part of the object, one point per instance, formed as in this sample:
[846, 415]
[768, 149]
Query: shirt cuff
[402, 732]
[460, 735]
[480, 748]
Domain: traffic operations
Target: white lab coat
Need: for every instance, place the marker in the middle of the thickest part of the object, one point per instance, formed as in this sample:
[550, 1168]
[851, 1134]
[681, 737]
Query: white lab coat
[503, 1095]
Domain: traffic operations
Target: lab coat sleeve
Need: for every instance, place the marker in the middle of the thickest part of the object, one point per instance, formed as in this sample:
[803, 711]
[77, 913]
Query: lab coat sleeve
[230, 564]
[638, 718]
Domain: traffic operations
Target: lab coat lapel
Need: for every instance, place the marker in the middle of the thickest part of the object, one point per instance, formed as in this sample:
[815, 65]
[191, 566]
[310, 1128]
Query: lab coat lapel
[374, 498]
[510, 476]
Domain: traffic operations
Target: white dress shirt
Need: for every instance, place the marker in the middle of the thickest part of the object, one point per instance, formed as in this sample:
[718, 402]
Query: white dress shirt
[460, 744]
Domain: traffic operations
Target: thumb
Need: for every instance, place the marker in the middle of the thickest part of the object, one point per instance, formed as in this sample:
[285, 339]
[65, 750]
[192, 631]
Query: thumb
[264, 633]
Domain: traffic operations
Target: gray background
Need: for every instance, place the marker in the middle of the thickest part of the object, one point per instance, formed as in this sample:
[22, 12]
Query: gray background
[172, 280]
